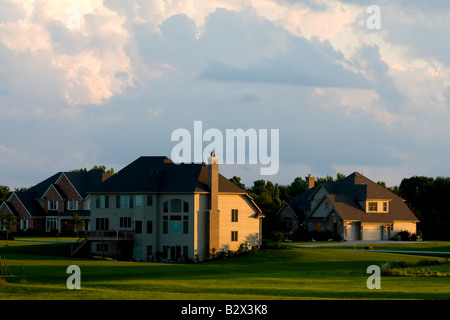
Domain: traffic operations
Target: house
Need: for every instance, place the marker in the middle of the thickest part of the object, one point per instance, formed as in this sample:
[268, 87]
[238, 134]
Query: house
[49, 205]
[354, 208]
[156, 210]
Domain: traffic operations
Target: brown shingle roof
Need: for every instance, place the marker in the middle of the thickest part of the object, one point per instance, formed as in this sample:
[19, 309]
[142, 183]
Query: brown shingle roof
[345, 195]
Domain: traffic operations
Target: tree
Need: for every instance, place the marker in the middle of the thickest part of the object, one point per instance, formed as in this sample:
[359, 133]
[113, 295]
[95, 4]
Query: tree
[8, 223]
[4, 193]
[237, 181]
[428, 200]
[96, 167]
[76, 223]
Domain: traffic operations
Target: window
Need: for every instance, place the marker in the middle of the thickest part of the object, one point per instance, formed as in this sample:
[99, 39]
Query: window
[186, 224]
[125, 222]
[175, 205]
[23, 224]
[149, 252]
[124, 202]
[102, 224]
[102, 247]
[175, 225]
[52, 204]
[234, 236]
[150, 200]
[185, 206]
[50, 224]
[166, 206]
[149, 226]
[138, 226]
[102, 202]
[234, 215]
[385, 206]
[72, 205]
[139, 201]
[373, 206]
[165, 224]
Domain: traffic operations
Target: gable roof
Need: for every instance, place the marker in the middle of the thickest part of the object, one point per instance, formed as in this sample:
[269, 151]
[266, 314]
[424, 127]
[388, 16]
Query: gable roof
[81, 180]
[354, 188]
[345, 195]
[150, 174]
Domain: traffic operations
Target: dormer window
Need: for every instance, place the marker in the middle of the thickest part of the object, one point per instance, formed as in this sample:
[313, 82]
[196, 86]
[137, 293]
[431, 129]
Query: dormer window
[373, 206]
[378, 206]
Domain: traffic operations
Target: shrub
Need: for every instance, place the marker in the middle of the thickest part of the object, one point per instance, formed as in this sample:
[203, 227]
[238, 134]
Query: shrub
[277, 238]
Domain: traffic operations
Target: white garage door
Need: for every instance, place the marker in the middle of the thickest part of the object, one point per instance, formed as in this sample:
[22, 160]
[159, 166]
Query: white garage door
[352, 231]
[372, 233]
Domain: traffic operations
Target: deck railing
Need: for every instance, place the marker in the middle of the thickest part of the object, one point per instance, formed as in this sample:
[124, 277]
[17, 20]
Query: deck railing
[110, 234]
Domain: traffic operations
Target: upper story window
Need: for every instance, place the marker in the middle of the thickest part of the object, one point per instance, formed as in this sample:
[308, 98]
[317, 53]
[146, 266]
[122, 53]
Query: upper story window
[124, 202]
[378, 206]
[52, 204]
[139, 200]
[234, 215]
[102, 202]
[175, 205]
[373, 206]
[72, 205]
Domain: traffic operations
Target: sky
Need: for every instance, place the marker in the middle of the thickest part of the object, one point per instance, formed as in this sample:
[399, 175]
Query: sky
[348, 87]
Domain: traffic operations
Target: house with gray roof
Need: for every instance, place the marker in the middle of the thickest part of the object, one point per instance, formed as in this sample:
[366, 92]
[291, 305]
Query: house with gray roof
[354, 208]
[157, 210]
[51, 204]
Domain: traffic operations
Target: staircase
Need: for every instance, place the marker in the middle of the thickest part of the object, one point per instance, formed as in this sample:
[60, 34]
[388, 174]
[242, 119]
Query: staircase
[82, 240]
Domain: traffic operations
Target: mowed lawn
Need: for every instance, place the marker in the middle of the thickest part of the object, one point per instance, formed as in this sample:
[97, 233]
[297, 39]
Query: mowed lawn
[39, 270]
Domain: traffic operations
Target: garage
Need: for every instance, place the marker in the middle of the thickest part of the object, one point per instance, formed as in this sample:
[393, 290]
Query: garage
[372, 233]
[352, 231]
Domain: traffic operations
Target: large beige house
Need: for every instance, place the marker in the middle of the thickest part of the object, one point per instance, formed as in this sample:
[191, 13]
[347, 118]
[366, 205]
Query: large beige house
[354, 208]
[156, 210]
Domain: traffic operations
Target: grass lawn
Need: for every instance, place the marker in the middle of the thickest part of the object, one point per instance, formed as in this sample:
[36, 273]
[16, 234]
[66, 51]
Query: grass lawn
[39, 270]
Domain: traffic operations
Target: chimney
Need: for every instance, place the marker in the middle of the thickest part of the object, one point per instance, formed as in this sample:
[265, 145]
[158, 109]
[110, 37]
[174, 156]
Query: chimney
[214, 219]
[310, 182]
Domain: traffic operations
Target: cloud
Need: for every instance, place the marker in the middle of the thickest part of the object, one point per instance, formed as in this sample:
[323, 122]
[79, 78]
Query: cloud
[305, 65]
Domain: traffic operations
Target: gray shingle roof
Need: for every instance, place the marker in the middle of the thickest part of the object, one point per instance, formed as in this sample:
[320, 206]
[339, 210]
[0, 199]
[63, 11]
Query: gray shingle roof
[149, 174]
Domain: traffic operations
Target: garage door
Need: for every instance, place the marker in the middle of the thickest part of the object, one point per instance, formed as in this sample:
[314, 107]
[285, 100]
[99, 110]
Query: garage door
[373, 233]
[352, 231]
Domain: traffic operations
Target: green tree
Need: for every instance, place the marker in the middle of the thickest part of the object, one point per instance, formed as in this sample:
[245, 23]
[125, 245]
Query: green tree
[4, 193]
[237, 181]
[277, 238]
[8, 223]
[76, 223]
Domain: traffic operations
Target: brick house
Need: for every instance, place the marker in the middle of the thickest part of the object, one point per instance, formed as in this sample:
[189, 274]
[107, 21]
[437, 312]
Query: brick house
[49, 205]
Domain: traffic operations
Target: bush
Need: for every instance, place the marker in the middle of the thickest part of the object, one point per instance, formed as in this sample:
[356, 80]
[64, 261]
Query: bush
[322, 236]
[277, 238]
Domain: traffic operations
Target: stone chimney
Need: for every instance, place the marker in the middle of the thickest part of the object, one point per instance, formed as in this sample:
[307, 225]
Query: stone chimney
[214, 219]
[310, 182]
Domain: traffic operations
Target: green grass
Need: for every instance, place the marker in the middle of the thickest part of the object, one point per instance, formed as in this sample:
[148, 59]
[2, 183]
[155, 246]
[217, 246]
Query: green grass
[295, 273]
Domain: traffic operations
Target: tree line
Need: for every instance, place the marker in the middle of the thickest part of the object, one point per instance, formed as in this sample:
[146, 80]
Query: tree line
[428, 198]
